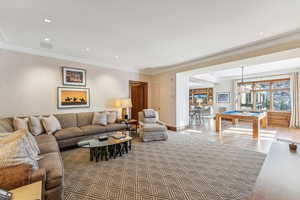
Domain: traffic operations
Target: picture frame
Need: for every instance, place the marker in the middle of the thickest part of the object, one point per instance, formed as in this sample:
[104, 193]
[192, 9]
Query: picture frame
[69, 97]
[73, 76]
[223, 97]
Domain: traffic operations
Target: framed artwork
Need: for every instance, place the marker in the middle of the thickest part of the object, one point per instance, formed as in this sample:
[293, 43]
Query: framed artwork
[68, 97]
[74, 76]
[223, 97]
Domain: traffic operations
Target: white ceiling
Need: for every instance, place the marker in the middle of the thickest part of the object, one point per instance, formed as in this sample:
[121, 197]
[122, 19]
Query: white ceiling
[266, 69]
[142, 33]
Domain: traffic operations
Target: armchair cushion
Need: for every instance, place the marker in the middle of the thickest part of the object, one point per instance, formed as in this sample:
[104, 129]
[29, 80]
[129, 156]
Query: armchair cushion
[154, 128]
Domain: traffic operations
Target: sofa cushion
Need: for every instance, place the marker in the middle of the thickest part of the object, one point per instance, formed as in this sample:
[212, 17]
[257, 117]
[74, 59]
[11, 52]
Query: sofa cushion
[68, 133]
[47, 143]
[154, 127]
[93, 129]
[44, 138]
[52, 163]
[48, 147]
[115, 127]
[67, 120]
[6, 125]
[84, 119]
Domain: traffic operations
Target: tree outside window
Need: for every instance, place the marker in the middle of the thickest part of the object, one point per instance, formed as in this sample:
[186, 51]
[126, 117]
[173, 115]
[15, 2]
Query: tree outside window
[271, 95]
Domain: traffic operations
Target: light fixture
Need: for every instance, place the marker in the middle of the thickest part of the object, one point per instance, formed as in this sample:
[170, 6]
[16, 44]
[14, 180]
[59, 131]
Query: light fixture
[87, 49]
[261, 33]
[117, 57]
[47, 20]
[242, 87]
[47, 39]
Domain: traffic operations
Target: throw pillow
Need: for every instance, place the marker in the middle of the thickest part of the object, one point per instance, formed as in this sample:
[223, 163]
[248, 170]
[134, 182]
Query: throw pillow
[100, 118]
[35, 125]
[20, 123]
[111, 117]
[29, 142]
[51, 124]
[13, 150]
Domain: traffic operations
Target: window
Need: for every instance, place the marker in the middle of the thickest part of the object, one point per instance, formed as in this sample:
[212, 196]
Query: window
[272, 95]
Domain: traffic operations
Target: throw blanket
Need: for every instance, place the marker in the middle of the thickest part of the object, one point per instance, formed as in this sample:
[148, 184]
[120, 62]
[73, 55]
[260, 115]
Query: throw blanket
[149, 113]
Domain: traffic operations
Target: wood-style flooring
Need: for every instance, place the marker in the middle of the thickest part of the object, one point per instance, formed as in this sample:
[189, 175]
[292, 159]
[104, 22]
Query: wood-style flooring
[241, 134]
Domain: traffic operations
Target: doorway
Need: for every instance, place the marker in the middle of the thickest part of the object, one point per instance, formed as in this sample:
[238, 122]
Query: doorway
[138, 92]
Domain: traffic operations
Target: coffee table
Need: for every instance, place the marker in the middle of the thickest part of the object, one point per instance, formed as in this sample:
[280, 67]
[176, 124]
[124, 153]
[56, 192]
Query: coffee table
[109, 148]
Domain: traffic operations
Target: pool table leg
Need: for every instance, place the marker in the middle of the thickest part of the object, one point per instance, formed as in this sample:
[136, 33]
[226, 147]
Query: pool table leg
[218, 123]
[264, 122]
[256, 128]
[235, 121]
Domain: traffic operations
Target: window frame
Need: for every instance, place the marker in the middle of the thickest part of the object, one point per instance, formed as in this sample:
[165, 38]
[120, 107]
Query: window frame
[254, 92]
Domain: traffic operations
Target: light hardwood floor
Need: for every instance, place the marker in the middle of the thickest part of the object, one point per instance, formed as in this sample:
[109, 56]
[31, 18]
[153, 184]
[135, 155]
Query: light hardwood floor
[241, 134]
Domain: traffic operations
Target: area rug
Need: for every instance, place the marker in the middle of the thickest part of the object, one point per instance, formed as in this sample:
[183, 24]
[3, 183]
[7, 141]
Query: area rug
[182, 168]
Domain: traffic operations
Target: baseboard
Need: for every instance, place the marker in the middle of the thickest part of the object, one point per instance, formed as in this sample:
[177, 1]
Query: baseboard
[174, 128]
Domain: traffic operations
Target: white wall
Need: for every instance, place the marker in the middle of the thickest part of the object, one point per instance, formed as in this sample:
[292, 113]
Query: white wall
[28, 84]
[223, 86]
[182, 101]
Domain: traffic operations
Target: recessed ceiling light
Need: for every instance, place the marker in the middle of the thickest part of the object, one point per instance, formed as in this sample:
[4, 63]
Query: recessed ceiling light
[117, 57]
[46, 20]
[47, 39]
[87, 49]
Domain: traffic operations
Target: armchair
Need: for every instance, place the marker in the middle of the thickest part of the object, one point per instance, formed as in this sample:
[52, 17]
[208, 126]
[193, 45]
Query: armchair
[152, 129]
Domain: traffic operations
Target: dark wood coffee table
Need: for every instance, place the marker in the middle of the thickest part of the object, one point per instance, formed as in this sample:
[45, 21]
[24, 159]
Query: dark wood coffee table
[110, 148]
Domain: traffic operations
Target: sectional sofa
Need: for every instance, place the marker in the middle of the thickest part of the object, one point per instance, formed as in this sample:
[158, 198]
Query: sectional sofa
[75, 127]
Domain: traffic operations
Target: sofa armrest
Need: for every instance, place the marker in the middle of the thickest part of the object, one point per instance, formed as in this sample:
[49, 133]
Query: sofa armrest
[38, 175]
[141, 123]
[161, 123]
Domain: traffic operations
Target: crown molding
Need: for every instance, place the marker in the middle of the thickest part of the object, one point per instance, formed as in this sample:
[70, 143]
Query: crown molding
[247, 48]
[46, 53]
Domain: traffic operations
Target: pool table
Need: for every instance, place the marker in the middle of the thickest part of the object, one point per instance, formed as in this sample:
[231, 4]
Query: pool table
[257, 118]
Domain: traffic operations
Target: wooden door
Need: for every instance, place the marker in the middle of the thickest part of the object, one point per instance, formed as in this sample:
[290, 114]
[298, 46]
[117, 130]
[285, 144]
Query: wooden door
[139, 97]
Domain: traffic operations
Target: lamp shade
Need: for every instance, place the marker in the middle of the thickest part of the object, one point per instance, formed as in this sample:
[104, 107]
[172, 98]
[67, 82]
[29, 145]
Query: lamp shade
[122, 103]
[117, 103]
[126, 103]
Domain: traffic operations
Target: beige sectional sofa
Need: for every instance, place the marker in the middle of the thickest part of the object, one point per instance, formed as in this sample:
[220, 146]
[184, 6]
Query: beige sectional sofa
[75, 127]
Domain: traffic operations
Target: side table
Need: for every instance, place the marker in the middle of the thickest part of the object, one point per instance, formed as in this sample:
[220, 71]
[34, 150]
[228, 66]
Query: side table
[131, 122]
[28, 192]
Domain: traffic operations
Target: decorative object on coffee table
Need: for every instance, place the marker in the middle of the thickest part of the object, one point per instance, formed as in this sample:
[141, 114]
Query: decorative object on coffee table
[73, 97]
[74, 76]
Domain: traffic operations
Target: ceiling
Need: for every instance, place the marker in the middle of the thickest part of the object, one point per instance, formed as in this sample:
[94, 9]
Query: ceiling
[261, 70]
[139, 34]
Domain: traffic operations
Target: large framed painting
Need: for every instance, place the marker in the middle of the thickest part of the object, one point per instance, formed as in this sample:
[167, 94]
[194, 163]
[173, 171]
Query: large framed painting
[68, 97]
[74, 76]
[223, 97]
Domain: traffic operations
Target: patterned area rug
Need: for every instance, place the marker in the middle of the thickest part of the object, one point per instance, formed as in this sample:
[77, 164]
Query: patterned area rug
[183, 168]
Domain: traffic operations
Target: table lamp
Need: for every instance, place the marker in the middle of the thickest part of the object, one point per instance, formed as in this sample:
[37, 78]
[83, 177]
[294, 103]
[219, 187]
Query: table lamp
[124, 104]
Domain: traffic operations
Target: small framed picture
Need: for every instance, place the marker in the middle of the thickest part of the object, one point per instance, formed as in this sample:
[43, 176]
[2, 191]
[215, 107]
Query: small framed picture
[68, 97]
[74, 76]
[223, 97]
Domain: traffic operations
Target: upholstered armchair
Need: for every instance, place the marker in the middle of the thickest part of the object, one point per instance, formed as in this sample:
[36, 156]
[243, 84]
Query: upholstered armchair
[151, 129]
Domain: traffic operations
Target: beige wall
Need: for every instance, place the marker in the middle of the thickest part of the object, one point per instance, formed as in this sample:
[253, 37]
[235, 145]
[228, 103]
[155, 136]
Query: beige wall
[28, 84]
